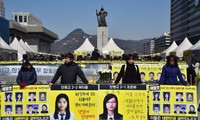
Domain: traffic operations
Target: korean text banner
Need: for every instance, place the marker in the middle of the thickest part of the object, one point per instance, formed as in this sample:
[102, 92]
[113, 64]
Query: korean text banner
[128, 102]
[82, 101]
[173, 101]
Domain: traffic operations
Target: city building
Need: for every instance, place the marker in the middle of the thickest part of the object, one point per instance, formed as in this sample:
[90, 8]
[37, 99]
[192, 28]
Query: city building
[28, 27]
[4, 29]
[2, 9]
[149, 47]
[162, 42]
[185, 20]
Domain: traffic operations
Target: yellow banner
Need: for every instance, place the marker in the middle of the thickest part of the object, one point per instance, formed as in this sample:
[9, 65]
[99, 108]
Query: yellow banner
[173, 101]
[126, 102]
[147, 69]
[25, 102]
[82, 100]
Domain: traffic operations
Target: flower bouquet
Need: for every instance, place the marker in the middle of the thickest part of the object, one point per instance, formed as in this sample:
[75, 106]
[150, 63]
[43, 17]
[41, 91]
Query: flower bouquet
[105, 75]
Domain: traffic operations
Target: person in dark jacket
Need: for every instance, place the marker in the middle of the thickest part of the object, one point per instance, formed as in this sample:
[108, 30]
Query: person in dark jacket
[110, 108]
[68, 72]
[170, 71]
[129, 72]
[95, 54]
[27, 74]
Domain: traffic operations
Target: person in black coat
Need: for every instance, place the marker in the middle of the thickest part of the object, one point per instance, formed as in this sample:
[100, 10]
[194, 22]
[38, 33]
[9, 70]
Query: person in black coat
[110, 108]
[95, 54]
[26, 75]
[129, 72]
[68, 72]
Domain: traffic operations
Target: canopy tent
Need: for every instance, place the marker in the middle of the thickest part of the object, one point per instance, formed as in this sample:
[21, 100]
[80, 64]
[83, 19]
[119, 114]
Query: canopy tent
[85, 48]
[27, 45]
[185, 45]
[6, 52]
[21, 42]
[17, 46]
[112, 48]
[195, 46]
[192, 52]
[172, 47]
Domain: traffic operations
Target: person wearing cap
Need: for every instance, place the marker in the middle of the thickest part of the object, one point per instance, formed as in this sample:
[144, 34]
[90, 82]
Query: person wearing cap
[68, 72]
[26, 75]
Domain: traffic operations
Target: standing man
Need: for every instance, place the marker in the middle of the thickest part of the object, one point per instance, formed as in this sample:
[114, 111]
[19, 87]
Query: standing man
[68, 72]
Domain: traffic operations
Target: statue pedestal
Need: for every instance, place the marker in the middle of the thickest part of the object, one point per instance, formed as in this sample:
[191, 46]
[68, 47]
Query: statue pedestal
[102, 37]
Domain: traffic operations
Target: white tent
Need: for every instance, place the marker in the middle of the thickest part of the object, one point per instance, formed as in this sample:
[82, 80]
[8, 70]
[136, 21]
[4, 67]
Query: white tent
[6, 52]
[4, 45]
[172, 47]
[24, 46]
[185, 45]
[112, 48]
[195, 46]
[17, 46]
[27, 45]
[84, 48]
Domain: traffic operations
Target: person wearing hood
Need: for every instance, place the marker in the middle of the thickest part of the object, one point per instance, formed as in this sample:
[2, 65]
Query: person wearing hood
[68, 72]
[26, 75]
[129, 72]
[170, 72]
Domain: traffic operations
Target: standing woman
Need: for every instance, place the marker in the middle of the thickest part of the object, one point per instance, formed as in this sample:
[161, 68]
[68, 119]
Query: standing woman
[129, 72]
[110, 108]
[27, 75]
[170, 71]
[62, 111]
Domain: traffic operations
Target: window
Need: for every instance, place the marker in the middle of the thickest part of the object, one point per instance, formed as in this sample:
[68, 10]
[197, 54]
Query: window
[20, 18]
[16, 18]
[25, 18]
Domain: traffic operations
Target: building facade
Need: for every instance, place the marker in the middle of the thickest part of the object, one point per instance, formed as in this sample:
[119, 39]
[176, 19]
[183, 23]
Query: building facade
[2, 9]
[162, 42]
[149, 47]
[185, 20]
[28, 27]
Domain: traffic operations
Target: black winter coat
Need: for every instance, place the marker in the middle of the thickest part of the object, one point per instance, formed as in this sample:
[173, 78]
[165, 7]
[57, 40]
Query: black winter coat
[129, 76]
[27, 76]
[69, 74]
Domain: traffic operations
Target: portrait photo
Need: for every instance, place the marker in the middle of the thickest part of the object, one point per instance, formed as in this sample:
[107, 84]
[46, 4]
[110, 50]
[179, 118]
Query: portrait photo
[44, 108]
[62, 108]
[8, 97]
[156, 96]
[19, 109]
[110, 106]
[166, 108]
[32, 96]
[180, 109]
[189, 97]
[42, 96]
[32, 108]
[192, 109]
[19, 96]
[156, 108]
[166, 96]
[179, 96]
[8, 109]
